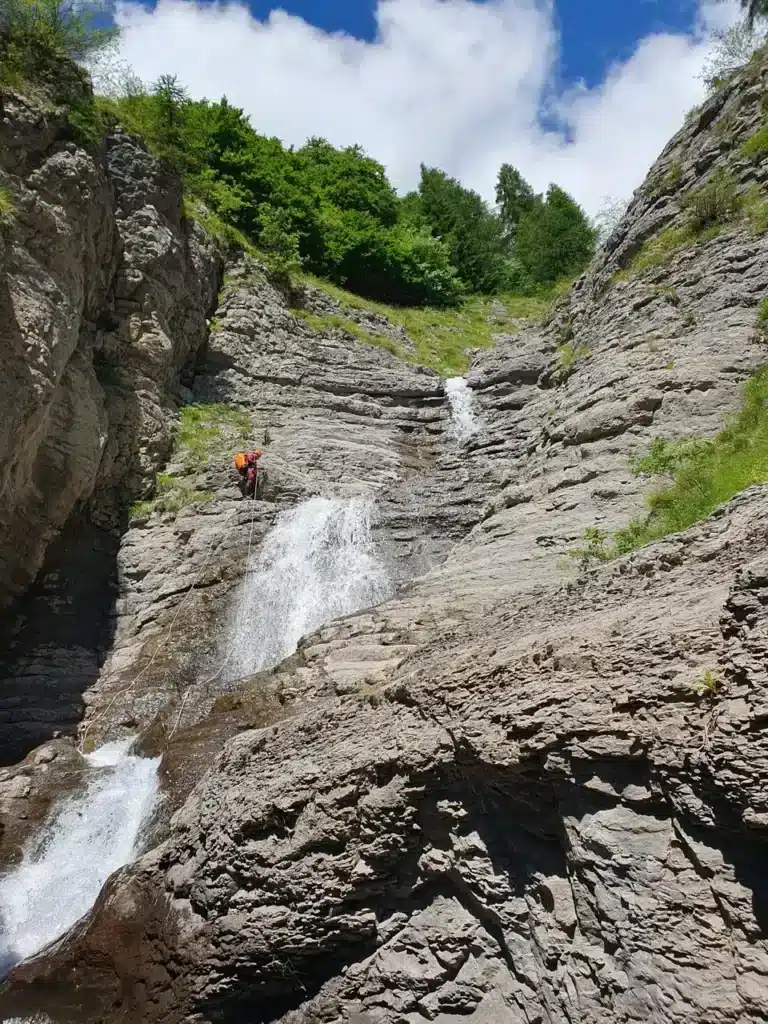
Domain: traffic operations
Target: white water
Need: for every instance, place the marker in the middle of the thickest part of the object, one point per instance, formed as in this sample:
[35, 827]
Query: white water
[91, 836]
[463, 419]
[318, 563]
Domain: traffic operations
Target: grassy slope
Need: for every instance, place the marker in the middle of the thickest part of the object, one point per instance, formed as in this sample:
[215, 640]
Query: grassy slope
[705, 474]
[443, 338]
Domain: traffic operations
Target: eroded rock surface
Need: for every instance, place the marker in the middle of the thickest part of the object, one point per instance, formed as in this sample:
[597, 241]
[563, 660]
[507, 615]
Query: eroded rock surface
[104, 294]
[510, 792]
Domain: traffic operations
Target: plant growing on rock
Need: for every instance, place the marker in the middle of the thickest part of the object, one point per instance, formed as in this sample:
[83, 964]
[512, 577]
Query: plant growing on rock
[714, 204]
[7, 206]
[706, 473]
[708, 684]
[206, 431]
[762, 319]
[571, 354]
[593, 549]
[39, 40]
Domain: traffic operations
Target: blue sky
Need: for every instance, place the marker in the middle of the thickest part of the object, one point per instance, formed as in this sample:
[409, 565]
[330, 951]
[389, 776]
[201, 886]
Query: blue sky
[585, 94]
[594, 33]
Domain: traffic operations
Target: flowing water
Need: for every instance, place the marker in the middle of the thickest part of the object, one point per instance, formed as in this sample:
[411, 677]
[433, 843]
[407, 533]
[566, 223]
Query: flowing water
[318, 563]
[460, 401]
[91, 835]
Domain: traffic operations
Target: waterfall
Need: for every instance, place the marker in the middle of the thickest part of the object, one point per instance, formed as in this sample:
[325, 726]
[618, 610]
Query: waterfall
[91, 835]
[318, 563]
[463, 420]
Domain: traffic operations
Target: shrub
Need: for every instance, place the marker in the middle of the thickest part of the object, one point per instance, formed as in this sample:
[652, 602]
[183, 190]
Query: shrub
[762, 318]
[756, 146]
[669, 181]
[756, 209]
[41, 39]
[594, 548]
[713, 204]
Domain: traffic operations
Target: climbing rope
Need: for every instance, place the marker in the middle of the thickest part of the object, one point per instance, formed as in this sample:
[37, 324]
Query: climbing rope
[169, 632]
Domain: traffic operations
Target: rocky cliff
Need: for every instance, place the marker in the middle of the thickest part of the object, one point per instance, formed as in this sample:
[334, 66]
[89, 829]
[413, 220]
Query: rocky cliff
[503, 793]
[104, 294]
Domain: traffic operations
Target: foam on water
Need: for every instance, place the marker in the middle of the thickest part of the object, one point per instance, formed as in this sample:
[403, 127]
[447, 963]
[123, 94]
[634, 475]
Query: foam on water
[463, 420]
[90, 836]
[318, 563]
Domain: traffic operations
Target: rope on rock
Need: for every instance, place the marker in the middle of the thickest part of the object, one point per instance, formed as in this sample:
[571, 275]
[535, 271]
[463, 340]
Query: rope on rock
[169, 632]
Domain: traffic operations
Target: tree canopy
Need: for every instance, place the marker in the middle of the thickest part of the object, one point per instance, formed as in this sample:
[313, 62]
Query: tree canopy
[331, 210]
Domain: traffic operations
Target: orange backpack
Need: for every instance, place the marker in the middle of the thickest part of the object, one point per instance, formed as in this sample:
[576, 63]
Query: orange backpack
[240, 461]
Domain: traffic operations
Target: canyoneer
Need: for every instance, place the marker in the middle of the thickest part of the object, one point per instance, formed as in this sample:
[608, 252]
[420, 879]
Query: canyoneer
[247, 466]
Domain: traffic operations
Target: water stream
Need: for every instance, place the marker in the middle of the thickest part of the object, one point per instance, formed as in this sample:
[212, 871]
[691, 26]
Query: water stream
[460, 402]
[319, 562]
[91, 835]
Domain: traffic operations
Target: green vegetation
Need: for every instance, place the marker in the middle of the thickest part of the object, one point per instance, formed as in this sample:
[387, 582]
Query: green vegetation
[570, 355]
[40, 42]
[593, 550]
[205, 432]
[762, 319]
[172, 494]
[706, 209]
[707, 684]
[706, 473]
[714, 204]
[669, 182]
[442, 337]
[208, 430]
[756, 210]
[334, 212]
[756, 146]
[660, 250]
[7, 206]
[333, 321]
[669, 294]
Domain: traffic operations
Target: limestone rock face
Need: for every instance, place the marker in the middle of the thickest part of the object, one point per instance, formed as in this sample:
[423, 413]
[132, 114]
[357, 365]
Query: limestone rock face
[513, 790]
[104, 293]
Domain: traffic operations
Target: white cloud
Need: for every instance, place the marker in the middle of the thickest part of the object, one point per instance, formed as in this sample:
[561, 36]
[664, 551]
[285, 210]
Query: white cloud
[450, 83]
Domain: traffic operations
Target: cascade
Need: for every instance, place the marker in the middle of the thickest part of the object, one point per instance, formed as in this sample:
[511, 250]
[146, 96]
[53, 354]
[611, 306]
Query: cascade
[91, 835]
[463, 420]
[318, 563]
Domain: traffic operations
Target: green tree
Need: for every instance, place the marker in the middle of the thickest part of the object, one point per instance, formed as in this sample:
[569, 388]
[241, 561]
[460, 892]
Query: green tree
[278, 241]
[554, 239]
[40, 40]
[514, 197]
[474, 235]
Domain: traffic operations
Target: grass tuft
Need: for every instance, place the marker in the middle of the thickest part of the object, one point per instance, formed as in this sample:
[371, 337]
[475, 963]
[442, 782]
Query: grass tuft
[333, 321]
[571, 354]
[762, 319]
[205, 432]
[706, 474]
[209, 430]
[7, 205]
[756, 146]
